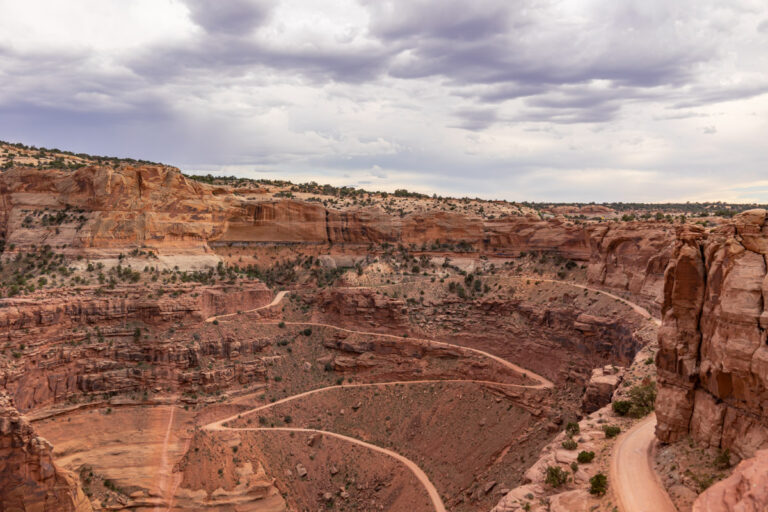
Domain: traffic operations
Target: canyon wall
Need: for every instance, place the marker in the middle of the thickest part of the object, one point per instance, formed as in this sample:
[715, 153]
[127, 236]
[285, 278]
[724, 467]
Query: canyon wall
[103, 211]
[713, 357]
[30, 480]
[87, 345]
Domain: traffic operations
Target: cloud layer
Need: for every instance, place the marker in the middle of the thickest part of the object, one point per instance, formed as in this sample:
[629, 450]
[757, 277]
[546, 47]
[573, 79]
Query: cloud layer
[528, 100]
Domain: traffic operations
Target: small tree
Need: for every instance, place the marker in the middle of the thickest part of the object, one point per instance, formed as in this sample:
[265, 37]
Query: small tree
[556, 476]
[621, 407]
[598, 484]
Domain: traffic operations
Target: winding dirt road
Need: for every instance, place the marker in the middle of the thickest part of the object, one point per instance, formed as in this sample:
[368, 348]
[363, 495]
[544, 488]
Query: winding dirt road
[635, 485]
[636, 307]
[542, 383]
[275, 301]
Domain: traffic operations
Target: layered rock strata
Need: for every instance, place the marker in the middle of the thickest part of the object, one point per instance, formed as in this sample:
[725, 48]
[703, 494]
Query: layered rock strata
[103, 211]
[30, 480]
[713, 358]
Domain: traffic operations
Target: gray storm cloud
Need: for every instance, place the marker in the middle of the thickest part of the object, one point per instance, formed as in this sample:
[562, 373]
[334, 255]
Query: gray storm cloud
[522, 100]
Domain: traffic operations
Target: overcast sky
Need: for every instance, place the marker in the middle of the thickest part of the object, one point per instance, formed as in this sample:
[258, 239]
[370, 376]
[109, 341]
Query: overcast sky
[581, 100]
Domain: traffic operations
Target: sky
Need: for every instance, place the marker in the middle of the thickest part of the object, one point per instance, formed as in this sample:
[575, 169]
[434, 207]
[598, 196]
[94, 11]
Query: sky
[537, 100]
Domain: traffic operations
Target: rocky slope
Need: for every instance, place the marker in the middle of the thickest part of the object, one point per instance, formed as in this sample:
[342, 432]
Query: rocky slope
[30, 479]
[746, 489]
[713, 362]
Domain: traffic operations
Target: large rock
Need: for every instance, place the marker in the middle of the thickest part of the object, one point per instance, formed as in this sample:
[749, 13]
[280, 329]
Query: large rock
[30, 480]
[746, 490]
[713, 358]
[600, 388]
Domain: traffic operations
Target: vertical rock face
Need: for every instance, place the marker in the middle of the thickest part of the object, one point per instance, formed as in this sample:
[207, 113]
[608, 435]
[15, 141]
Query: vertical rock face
[631, 257]
[713, 358]
[29, 480]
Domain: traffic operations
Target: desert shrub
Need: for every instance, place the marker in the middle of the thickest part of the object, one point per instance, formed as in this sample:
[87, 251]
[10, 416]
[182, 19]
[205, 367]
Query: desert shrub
[642, 398]
[585, 457]
[611, 431]
[621, 407]
[723, 459]
[570, 444]
[598, 484]
[572, 428]
[556, 476]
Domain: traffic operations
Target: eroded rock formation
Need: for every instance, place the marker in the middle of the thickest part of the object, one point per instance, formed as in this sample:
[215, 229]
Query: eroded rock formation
[29, 478]
[713, 358]
[97, 211]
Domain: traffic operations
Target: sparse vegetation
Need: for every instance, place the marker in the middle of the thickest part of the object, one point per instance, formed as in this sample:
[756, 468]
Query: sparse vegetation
[556, 476]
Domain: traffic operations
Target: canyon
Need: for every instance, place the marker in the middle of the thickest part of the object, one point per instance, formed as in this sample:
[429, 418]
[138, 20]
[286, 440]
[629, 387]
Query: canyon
[171, 343]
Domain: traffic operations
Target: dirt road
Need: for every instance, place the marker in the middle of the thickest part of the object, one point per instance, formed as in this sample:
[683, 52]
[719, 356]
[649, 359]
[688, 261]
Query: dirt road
[275, 301]
[636, 307]
[543, 383]
[634, 483]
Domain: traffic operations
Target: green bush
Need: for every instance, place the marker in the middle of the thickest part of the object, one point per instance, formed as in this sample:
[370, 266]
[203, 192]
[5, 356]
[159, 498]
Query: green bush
[611, 431]
[621, 407]
[570, 444]
[598, 484]
[642, 398]
[572, 428]
[556, 476]
[585, 457]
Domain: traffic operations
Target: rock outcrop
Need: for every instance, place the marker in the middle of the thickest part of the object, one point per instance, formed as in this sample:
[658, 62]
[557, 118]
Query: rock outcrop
[104, 211]
[30, 480]
[600, 388]
[713, 358]
[746, 490]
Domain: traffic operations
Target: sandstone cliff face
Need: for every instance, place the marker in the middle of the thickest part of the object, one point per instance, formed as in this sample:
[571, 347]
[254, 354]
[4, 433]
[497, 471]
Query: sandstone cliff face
[80, 345]
[30, 480]
[102, 211]
[631, 257]
[713, 358]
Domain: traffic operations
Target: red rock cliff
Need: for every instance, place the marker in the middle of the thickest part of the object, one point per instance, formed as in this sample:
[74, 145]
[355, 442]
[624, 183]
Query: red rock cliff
[713, 358]
[30, 481]
[97, 211]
